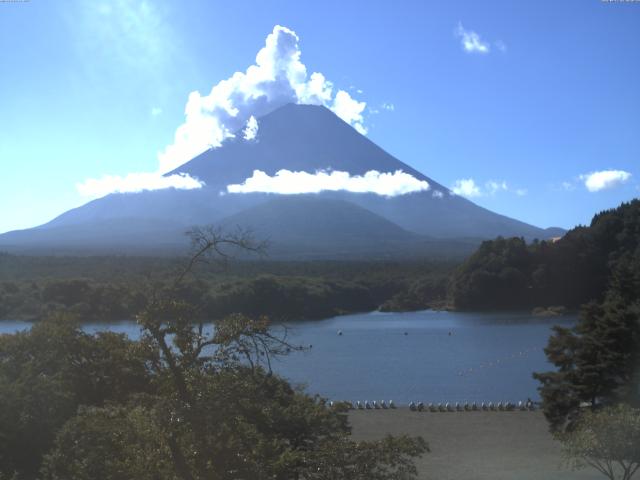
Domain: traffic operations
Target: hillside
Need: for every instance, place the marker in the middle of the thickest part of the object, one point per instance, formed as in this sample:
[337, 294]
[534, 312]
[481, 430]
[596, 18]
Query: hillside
[581, 266]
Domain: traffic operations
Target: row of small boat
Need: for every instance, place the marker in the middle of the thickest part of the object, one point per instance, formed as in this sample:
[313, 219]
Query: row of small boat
[443, 407]
[472, 407]
[367, 405]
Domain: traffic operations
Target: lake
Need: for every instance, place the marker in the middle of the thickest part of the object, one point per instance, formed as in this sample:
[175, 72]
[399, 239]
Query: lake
[424, 356]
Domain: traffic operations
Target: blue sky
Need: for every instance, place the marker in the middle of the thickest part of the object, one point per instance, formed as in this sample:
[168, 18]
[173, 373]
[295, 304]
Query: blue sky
[545, 94]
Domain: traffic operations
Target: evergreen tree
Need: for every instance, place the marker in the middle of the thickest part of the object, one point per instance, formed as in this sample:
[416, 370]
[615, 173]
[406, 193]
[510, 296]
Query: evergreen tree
[596, 361]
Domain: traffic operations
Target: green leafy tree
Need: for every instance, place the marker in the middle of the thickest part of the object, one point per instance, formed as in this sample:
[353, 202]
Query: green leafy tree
[47, 373]
[109, 443]
[607, 440]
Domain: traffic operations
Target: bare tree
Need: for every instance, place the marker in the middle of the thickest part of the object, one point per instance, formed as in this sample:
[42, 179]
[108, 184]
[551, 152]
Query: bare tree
[214, 243]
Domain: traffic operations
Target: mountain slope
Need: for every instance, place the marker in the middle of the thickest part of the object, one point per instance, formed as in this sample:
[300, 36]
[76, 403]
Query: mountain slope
[310, 138]
[313, 223]
[297, 138]
[294, 137]
[319, 226]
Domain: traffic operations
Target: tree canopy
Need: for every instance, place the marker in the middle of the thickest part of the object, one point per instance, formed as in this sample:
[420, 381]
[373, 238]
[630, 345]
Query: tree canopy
[577, 268]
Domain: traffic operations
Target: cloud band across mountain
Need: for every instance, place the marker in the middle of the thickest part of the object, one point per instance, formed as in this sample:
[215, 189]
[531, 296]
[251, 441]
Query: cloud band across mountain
[135, 182]
[288, 182]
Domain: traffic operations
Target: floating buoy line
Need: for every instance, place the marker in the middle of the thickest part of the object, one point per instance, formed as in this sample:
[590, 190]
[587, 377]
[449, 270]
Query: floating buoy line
[497, 362]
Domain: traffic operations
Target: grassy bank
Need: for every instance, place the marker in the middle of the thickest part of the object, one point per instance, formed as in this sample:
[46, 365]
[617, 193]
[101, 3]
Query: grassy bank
[474, 445]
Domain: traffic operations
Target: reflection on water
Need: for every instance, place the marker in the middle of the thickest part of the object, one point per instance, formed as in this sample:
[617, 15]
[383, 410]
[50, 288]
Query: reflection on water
[421, 356]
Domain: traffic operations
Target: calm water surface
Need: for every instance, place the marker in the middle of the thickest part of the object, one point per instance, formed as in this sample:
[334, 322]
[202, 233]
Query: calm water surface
[421, 356]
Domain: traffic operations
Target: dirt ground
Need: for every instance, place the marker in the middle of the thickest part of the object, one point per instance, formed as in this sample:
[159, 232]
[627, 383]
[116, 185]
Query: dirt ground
[475, 445]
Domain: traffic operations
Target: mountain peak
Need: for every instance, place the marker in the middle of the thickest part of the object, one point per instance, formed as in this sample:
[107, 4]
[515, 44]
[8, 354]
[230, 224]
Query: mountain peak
[294, 137]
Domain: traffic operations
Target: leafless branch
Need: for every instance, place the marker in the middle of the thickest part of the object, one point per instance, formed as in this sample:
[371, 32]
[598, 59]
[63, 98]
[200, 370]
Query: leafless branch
[213, 241]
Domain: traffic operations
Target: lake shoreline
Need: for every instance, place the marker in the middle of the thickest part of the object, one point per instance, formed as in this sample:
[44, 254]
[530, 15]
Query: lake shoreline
[536, 312]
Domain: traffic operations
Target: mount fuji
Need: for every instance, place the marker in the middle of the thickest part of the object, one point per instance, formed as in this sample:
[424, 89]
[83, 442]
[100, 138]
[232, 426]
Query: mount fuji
[328, 224]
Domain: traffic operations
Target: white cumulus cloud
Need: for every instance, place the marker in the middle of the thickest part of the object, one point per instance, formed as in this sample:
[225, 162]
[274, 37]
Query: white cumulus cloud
[288, 182]
[466, 187]
[596, 181]
[470, 40]
[349, 110]
[437, 194]
[278, 77]
[251, 130]
[135, 182]
[493, 186]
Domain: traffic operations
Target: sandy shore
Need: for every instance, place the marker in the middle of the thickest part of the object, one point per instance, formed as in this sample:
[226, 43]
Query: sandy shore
[475, 445]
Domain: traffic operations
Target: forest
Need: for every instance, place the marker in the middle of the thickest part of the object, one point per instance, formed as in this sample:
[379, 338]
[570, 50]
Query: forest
[117, 288]
[508, 273]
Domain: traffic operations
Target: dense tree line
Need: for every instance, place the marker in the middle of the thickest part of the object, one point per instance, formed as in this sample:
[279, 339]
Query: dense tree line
[578, 268]
[284, 291]
[427, 291]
